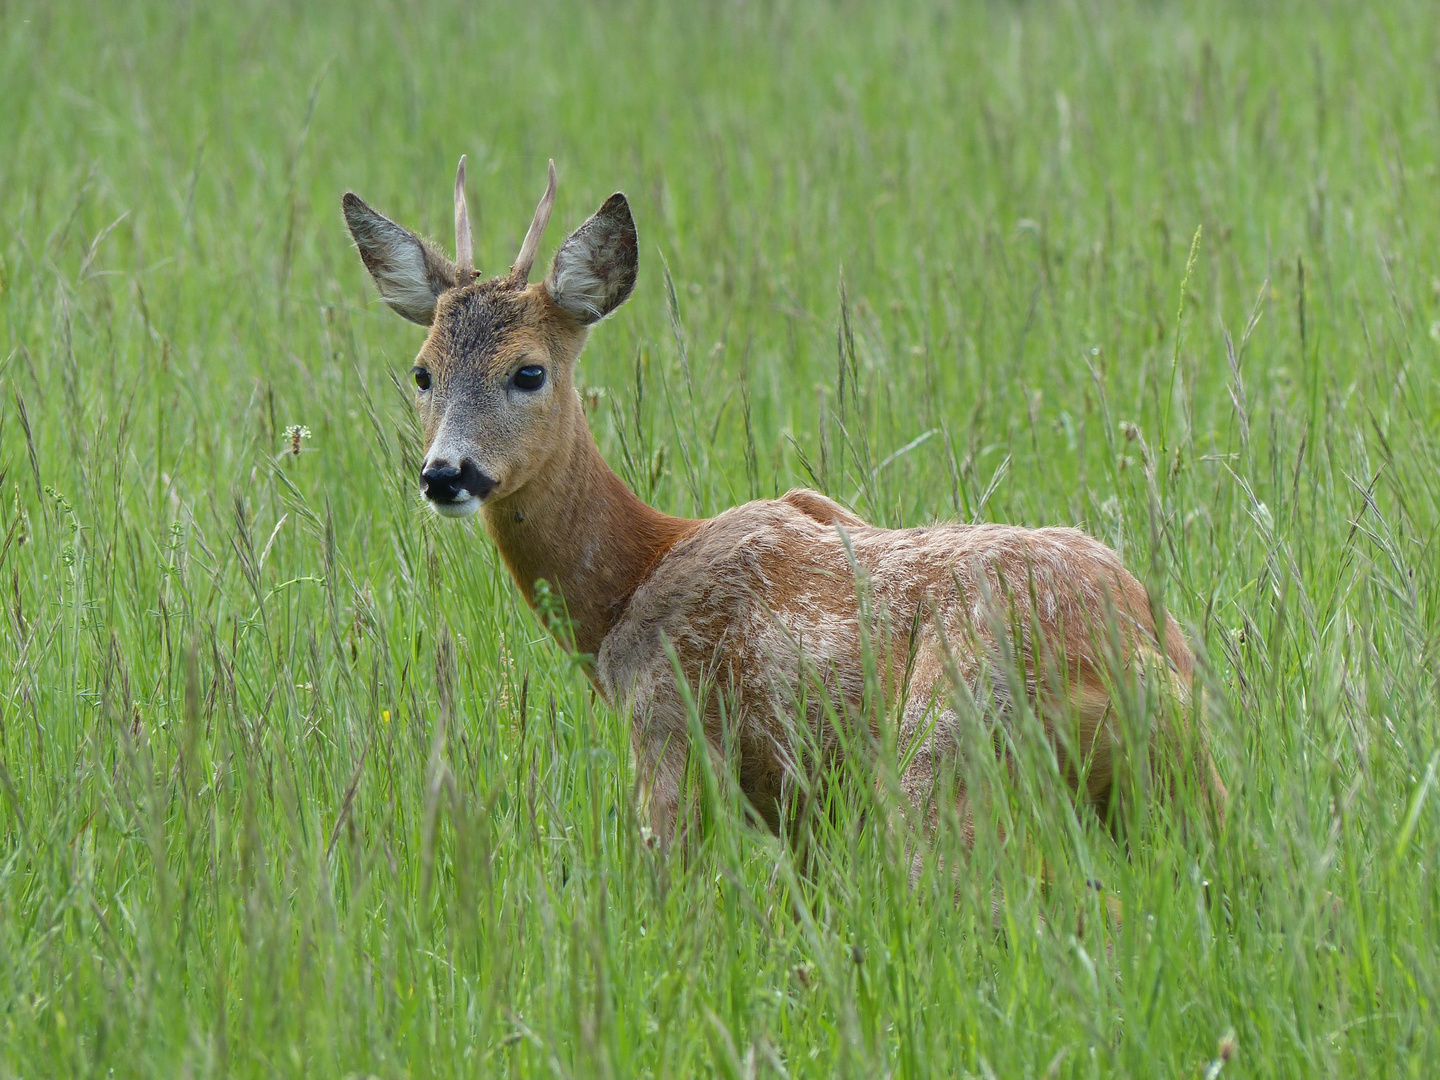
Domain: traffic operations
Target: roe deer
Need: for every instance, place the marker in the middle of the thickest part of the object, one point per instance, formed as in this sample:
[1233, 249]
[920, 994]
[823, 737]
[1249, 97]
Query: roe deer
[757, 608]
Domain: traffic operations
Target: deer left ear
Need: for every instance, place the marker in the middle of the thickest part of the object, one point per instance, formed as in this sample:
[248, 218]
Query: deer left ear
[408, 272]
[595, 268]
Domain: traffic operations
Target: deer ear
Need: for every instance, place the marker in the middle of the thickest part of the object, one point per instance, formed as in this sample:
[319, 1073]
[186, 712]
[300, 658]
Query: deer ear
[595, 268]
[408, 272]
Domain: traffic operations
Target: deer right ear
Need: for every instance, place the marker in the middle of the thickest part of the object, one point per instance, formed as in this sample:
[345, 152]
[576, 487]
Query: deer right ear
[408, 272]
[594, 271]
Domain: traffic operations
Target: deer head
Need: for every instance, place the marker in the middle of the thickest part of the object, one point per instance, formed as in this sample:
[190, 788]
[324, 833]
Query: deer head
[494, 381]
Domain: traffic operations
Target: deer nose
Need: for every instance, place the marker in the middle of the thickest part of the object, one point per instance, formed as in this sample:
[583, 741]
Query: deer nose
[443, 482]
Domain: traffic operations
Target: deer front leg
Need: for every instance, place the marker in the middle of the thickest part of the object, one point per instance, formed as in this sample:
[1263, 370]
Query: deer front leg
[660, 777]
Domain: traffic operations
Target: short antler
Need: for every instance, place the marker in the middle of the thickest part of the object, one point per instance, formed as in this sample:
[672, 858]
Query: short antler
[464, 249]
[526, 259]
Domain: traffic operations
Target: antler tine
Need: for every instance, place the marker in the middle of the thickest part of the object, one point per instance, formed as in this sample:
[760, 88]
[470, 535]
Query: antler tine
[464, 249]
[526, 259]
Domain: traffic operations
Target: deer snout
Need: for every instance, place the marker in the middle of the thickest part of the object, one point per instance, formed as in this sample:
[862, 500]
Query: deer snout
[446, 484]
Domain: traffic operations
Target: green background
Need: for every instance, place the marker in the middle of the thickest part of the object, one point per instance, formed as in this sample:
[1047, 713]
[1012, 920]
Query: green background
[293, 785]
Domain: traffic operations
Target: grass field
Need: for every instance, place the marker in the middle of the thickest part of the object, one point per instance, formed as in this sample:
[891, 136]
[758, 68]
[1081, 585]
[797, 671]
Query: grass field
[294, 785]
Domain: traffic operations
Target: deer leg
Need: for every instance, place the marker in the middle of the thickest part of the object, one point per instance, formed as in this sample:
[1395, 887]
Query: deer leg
[660, 777]
[932, 782]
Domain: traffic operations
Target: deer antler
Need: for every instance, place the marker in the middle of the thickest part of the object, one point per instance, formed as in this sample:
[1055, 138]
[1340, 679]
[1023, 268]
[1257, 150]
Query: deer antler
[464, 249]
[520, 272]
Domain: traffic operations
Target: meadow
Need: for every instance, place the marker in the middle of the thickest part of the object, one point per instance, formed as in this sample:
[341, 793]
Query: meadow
[293, 784]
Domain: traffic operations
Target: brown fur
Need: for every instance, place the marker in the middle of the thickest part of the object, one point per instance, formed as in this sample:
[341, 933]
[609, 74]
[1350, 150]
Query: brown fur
[762, 599]
[769, 609]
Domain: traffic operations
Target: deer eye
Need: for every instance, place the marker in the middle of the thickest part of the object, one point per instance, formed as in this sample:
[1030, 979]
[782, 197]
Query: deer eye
[530, 377]
[422, 378]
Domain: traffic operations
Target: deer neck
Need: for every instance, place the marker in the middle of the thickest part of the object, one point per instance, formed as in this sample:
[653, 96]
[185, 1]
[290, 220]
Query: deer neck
[580, 529]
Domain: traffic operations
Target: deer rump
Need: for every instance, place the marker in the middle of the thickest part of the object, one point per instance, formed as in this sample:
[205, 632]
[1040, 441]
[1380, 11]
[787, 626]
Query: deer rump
[773, 617]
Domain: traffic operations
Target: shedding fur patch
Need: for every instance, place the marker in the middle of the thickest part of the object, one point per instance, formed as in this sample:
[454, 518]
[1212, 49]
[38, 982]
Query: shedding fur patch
[772, 609]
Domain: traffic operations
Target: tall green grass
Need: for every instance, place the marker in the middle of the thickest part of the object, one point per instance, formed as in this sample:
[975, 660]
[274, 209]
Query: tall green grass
[291, 783]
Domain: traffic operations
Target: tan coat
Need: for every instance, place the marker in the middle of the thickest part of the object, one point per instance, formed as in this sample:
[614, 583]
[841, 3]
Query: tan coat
[760, 609]
[778, 626]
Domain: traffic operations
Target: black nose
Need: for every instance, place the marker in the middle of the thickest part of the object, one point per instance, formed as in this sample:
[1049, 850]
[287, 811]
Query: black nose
[444, 482]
